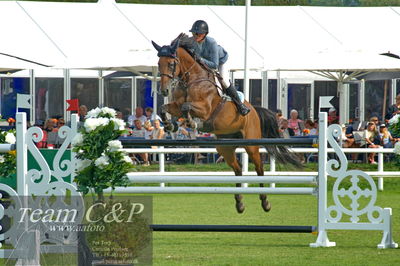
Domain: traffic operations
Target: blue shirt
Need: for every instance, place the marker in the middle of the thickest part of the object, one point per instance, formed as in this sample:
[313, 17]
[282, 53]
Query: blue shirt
[212, 54]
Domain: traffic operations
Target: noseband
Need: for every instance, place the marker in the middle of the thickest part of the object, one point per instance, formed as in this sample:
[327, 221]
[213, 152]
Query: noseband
[172, 69]
[177, 79]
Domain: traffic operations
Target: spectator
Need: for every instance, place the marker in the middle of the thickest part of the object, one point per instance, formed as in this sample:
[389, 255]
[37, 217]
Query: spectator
[182, 132]
[348, 140]
[149, 129]
[348, 137]
[285, 131]
[60, 122]
[47, 129]
[310, 129]
[279, 116]
[316, 124]
[393, 109]
[158, 131]
[138, 115]
[375, 119]
[386, 139]
[150, 115]
[59, 141]
[333, 118]
[371, 140]
[295, 123]
[119, 115]
[82, 112]
[138, 131]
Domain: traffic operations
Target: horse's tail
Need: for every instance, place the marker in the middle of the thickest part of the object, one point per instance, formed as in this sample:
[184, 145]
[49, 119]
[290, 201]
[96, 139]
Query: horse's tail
[270, 129]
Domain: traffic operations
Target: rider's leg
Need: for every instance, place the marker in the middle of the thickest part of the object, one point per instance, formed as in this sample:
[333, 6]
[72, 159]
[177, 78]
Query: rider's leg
[232, 92]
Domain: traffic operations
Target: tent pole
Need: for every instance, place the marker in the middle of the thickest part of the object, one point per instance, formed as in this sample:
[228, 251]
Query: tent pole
[362, 100]
[342, 102]
[246, 50]
[385, 87]
[246, 89]
[154, 89]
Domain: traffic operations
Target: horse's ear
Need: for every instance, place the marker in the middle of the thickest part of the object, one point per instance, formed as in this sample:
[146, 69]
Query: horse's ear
[174, 46]
[158, 47]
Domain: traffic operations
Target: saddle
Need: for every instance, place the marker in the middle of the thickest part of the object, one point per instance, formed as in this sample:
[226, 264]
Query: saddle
[219, 82]
[214, 73]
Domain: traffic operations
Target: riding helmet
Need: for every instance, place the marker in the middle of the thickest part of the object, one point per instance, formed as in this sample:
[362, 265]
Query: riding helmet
[199, 26]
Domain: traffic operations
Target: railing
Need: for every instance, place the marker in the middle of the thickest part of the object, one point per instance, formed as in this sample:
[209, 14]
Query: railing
[4, 148]
[380, 173]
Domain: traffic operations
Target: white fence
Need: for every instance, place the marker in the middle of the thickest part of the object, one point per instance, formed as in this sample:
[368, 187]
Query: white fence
[380, 173]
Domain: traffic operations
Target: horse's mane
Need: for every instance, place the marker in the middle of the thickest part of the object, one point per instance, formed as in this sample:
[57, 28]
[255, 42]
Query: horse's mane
[185, 42]
[189, 44]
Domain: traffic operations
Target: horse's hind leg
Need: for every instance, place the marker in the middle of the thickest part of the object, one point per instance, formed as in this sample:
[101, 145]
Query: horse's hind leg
[230, 158]
[254, 155]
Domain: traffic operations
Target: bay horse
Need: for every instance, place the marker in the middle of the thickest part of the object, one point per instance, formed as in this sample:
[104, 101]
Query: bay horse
[195, 96]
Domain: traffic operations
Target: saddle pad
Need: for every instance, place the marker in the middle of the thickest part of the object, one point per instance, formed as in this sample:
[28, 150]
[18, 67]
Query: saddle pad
[221, 93]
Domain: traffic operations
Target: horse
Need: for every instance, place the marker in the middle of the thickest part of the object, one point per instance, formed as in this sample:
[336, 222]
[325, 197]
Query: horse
[195, 96]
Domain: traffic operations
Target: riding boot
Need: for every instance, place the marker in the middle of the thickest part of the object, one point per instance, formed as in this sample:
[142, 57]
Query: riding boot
[242, 108]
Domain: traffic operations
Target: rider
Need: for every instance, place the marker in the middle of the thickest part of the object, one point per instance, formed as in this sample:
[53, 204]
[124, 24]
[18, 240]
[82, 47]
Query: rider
[214, 56]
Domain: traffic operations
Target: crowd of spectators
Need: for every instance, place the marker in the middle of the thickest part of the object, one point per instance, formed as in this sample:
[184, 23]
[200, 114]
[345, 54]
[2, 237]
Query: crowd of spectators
[372, 133]
[146, 124]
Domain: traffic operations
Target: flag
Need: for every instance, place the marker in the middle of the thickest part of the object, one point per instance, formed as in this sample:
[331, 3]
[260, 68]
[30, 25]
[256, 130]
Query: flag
[324, 102]
[23, 101]
[73, 105]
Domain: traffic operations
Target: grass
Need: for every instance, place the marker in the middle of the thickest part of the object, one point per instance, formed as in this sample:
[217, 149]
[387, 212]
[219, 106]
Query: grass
[184, 248]
[353, 247]
[389, 166]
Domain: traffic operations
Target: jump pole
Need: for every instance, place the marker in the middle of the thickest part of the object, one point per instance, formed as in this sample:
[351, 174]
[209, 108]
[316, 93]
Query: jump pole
[233, 228]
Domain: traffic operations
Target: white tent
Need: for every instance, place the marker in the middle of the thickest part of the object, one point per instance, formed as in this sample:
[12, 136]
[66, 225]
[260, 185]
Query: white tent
[107, 35]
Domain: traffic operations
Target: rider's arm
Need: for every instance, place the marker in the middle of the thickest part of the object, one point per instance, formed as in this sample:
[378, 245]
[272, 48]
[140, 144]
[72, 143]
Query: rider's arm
[212, 60]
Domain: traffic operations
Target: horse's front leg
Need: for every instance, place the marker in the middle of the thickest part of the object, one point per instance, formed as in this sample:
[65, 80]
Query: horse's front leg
[186, 107]
[173, 109]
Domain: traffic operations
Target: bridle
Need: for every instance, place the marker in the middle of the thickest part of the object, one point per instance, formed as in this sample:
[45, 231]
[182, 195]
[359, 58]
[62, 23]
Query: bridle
[183, 78]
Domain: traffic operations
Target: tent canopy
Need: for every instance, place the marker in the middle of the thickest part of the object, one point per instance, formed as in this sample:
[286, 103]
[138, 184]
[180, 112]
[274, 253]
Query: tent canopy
[112, 36]
[11, 63]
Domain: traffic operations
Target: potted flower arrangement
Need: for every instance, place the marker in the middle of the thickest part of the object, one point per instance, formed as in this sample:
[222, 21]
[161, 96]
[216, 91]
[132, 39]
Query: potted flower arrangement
[8, 161]
[100, 162]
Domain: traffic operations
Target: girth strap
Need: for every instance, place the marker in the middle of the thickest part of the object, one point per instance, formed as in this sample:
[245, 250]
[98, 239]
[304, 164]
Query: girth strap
[208, 125]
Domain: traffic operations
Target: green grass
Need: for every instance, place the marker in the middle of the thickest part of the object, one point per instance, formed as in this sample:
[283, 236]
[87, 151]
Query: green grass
[183, 248]
[353, 247]
[389, 166]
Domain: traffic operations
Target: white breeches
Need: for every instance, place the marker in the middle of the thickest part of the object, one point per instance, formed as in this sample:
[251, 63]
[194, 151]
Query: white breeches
[223, 71]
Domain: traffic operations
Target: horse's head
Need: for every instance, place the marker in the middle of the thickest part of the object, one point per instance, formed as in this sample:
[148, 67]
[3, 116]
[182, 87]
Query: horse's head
[168, 65]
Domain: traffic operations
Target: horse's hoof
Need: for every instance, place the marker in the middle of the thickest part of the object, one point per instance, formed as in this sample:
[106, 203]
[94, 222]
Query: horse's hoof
[239, 207]
[266, 205]
[192, 124]
[238, 197]
[168, 127]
